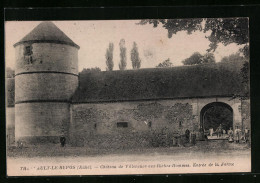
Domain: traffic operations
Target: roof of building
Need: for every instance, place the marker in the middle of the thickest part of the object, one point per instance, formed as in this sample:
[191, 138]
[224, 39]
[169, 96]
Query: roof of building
[47, 32]
[208, 80]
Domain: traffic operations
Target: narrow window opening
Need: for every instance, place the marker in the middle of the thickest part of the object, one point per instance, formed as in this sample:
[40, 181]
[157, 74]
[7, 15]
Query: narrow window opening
[28, 51]
[122, 125]
[150, 124]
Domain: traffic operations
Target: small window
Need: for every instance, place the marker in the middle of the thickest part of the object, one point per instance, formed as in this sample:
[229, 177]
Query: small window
[28, 51]
[122, 125]
[150, 124]
[95, 126]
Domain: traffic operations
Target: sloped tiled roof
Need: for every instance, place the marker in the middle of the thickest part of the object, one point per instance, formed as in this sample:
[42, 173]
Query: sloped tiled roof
[47, 32]
[208, 80]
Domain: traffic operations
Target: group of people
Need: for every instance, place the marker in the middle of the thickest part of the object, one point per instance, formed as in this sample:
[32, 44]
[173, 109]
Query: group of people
[220, 131]
[236, 135]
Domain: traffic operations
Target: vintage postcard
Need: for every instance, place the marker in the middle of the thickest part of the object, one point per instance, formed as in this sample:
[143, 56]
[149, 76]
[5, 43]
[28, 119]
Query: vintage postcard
[113, 97]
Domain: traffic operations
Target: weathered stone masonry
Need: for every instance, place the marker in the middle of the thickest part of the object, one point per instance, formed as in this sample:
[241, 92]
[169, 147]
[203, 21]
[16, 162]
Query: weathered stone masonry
[91, 121]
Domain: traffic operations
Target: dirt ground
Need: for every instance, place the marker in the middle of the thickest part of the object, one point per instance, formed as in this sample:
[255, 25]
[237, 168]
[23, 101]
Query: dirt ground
[210, 147]
[56, 160]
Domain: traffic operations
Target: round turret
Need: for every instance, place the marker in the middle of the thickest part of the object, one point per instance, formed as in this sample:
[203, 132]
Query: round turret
[46, 77]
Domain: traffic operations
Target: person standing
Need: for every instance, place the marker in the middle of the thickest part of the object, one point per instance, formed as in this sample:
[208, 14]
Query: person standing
[187, 135]
[237, 132]
[219, 131]
[193, 137]
[246, 134]
[211, 131]
[62, 141]
[230, 135]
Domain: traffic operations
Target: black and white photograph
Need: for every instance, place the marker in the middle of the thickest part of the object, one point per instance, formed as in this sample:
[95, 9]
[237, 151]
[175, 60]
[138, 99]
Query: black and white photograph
[122, 97]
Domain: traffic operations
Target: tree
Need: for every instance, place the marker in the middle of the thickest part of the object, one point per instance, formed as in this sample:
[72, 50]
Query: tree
[208, 58]
[91, 70]
[164, 64]
[136, 61]
[109, 57]
[233, 58]
[195, 58]
[122, 63]
[221, 30]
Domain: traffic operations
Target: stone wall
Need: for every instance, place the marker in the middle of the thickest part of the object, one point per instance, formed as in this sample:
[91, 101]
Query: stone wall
[41, 122]
[46, 78]
[94, 124]
[47, 57]
[45, 86]
[10, 125]
[246, 115]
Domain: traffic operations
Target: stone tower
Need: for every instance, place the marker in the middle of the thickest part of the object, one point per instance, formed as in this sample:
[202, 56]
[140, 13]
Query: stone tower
[46, 76]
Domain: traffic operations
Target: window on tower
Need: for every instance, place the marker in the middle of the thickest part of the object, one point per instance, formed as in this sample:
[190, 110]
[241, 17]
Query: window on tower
[28, 50]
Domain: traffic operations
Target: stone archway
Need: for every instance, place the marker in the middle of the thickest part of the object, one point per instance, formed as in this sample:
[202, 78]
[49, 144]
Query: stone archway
[214, 114]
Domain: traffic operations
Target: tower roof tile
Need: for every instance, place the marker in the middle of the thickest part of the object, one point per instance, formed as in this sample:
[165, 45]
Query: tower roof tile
[47, 32]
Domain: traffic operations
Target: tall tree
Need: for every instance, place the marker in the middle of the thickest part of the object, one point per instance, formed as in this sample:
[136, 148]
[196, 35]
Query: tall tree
[122, 63]
[136, 61]
[221, 30]
[165, 63]
[109, 57]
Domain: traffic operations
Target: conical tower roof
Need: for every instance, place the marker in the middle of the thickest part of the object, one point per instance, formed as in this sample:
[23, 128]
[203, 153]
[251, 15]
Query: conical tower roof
[47, 32]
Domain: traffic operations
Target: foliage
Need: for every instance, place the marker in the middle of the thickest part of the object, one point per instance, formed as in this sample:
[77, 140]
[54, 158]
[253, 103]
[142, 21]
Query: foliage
[232, 58]
[109, 57]
[165, 63]
[197, 58]
[90, 70]
[9, 72]
[217, 115]
[208, 58]
[161, 137]
[122, 64]
[221, 30]
[136, 61]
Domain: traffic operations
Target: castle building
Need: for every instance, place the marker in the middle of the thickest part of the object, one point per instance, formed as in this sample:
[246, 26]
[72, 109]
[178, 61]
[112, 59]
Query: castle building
[113, 108]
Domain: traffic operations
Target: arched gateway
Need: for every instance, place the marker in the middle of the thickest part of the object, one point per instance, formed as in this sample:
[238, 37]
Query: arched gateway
[214, 114]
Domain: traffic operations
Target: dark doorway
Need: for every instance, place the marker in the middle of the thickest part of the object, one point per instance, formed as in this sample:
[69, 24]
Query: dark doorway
[214, 114]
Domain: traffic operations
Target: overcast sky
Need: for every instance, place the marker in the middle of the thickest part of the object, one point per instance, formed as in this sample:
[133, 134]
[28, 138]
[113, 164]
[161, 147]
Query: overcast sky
[93, 38]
